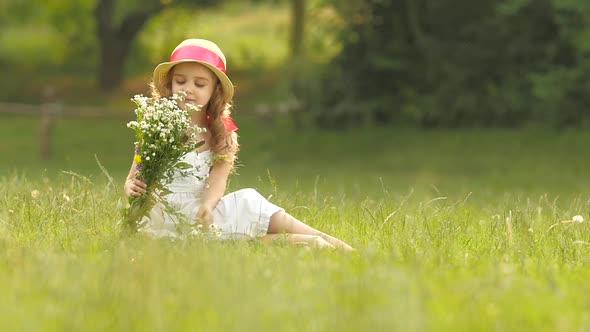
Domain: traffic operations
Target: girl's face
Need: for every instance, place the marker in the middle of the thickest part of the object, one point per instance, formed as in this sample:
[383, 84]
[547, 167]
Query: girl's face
[196, 80]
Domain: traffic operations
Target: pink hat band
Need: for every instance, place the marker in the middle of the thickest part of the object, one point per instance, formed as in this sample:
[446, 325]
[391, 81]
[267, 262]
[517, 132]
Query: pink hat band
[191, 52]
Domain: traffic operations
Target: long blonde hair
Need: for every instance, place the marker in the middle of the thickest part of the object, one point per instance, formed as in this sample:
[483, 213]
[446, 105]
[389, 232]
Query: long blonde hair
[222, 141]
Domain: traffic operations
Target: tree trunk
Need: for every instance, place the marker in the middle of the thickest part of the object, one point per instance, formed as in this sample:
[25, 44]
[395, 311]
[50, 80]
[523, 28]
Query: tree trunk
[298, 19]
[297, 99]
[113, 53]
[115, 42]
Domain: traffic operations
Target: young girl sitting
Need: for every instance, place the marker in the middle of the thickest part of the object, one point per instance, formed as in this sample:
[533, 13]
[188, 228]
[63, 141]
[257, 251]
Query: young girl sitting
[197, 67]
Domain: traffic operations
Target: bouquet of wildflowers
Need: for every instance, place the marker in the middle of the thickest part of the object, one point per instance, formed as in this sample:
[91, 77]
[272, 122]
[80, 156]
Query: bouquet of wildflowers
[164, 134]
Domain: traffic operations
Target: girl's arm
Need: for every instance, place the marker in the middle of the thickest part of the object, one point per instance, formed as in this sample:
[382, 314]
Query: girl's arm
[133, 186]
[217, 184]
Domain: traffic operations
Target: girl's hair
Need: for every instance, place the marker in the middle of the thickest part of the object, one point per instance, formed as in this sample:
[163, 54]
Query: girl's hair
[221, 140]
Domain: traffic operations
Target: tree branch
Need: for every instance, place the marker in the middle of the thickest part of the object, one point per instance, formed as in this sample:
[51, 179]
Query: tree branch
[136, 20]
[104, 14]
[414, 24]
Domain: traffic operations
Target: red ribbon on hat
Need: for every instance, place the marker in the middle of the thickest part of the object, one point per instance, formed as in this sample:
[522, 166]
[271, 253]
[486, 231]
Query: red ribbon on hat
[228, 122]
[191, 52]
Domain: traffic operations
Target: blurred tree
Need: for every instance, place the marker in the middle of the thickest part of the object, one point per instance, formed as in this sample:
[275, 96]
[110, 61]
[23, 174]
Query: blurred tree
[72, 20]
[313, 43]
[296, 75]
[460, 62]
[118, 23]
[95, 31]
[298, 24]
[13, 11]
[115, 37]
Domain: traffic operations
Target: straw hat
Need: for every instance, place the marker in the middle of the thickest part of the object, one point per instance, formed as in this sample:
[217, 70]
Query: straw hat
[201, 51]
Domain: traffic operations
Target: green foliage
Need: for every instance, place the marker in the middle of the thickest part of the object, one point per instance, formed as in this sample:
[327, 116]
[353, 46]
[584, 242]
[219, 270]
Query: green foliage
[487, 64]
[16, 11]
[75, 30]
[39, 48]
[246, 42]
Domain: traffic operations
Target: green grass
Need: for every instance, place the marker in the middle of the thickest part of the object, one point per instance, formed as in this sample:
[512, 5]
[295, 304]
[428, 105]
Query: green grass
[451, 229]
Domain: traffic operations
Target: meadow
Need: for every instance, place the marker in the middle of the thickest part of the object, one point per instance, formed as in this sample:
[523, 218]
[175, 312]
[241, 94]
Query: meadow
[454, 230]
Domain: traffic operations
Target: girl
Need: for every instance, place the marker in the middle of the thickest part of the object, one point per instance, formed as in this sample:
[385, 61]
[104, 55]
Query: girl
[198, 68]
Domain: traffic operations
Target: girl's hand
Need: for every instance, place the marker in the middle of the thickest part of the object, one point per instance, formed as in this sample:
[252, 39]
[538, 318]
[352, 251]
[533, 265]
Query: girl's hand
[134, 187]
[205, 215]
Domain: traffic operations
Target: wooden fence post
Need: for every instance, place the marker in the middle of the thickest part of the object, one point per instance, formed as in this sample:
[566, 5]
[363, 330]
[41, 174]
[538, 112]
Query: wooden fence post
[49, 111]
[47, 124]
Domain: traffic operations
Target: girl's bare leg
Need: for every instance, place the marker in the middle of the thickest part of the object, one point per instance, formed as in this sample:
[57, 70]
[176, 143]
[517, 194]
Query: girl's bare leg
[282, 222]
[297, 239]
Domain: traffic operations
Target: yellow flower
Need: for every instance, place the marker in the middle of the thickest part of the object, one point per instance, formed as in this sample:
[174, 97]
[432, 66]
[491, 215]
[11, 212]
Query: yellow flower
[137, 159]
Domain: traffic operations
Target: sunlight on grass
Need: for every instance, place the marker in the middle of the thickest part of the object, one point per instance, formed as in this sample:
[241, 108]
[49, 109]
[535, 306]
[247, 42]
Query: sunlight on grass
[420, 265]
[466, 230]
[459, 230]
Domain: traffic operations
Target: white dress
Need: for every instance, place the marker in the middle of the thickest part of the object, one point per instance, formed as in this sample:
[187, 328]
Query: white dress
[241, 214]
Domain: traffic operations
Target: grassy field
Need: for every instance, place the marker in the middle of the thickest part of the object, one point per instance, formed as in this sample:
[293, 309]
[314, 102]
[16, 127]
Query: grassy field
[452, 230]
[455, 230]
